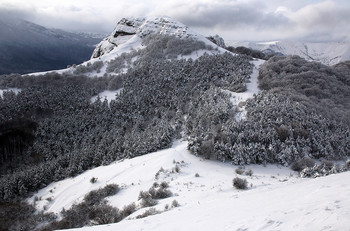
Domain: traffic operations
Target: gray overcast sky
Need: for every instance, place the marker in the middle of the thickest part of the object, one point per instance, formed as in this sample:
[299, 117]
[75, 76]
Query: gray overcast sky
[315, 20]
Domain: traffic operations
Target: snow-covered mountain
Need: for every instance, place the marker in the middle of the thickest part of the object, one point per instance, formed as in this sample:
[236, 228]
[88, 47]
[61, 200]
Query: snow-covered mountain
[329, 53]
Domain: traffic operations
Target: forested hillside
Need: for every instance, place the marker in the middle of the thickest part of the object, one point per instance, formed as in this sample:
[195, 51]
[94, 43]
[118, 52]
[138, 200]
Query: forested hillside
[71, 134]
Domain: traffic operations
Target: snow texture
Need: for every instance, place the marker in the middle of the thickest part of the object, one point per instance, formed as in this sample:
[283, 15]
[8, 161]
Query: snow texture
[276, 198]
[106, 95]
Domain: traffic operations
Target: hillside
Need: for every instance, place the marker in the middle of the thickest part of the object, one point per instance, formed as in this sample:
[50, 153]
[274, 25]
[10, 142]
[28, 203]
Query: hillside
[276, 198]
[157, 94]
[26, 47]
[328, 53]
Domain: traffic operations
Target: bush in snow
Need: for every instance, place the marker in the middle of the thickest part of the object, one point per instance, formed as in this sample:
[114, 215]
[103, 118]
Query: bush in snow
[249, 172]
[160, 192]
[239, 170]
[240, 183]
[149, 212]
[127, 210]
[93, 180]
[175, 204]
[104, 214]
[96, 196]
[303, 163]
[146, 199]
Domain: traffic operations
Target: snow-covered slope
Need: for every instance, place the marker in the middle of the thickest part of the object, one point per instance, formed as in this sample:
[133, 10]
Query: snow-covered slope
[276, 199]
[329, 53]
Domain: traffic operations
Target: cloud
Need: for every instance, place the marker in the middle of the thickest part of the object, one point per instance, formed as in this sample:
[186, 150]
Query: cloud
[232, 19]
[322, 21]
[223, 14]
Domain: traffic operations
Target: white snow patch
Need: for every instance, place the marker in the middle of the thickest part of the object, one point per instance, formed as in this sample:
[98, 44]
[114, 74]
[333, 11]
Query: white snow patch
[106, 95]
[14, 90]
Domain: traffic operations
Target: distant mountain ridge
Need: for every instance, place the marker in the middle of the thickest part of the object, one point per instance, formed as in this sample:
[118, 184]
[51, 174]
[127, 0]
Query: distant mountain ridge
[328, 53]
[27, 47]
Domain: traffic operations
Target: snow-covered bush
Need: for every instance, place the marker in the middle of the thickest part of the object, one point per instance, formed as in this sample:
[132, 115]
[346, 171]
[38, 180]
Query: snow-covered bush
[302, 164]
[323, 169]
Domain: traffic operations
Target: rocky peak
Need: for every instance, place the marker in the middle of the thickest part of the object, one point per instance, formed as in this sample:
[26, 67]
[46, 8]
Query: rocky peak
[134, 29]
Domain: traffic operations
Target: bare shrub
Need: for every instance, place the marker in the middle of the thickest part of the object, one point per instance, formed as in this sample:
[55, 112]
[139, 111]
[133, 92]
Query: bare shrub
[240, 183]
[249, 172]
[149, 212]
[93, 180]
[96, 196]
[161, 192]
[239, 171]
[104, 214]
[175, 204]
[177, 169]
[127, 210]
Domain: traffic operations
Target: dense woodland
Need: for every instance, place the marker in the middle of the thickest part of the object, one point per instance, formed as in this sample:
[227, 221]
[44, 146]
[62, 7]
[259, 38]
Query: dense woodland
[51, 130]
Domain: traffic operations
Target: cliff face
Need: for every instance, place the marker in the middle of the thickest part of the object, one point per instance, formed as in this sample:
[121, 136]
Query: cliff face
[133, 29]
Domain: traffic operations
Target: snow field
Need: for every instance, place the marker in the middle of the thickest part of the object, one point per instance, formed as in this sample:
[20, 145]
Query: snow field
[276, 198]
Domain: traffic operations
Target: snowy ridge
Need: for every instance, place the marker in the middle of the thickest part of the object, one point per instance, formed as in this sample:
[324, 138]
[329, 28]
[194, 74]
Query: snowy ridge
[128, 35]
[328, 53]
[276, 198]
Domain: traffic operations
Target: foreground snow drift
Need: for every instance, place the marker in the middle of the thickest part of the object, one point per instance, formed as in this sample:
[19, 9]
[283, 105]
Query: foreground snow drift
[276, 198]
